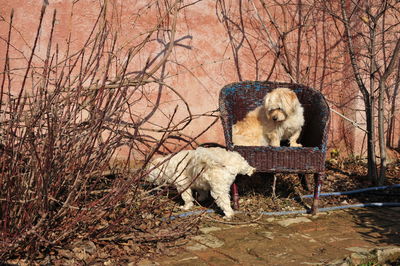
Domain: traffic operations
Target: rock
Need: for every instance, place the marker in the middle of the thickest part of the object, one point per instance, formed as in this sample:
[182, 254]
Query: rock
[109, 262]
[340, 263]
[290, 221]
[83, 250]
[66, 253]
[206, 230]
[389, 254]
[266, 234]
[358, 250]
[203, 242]
[379, 256]
[194, 258]
[84, 246]
[359, 258]
[146, 262]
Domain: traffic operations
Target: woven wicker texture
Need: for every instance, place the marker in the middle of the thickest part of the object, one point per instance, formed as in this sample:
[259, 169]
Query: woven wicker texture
[237, 99]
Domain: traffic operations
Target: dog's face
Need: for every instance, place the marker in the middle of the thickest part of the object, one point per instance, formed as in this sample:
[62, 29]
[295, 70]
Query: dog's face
[155, 175]
[279, 104]
[276, 114]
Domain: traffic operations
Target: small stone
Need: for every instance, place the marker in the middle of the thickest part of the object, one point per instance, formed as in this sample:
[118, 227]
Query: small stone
[388, 254]
[189, 258]
[85, 246]
[65, 253]
[266, 234]
[206, 230]
[290, 221]
[109, 262]
[339, 262]
[357, 258]
[146, 262]
[358, 250]
[203, 242]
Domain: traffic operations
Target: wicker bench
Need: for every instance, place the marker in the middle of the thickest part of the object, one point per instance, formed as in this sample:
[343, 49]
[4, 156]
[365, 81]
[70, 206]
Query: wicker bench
[237, 99]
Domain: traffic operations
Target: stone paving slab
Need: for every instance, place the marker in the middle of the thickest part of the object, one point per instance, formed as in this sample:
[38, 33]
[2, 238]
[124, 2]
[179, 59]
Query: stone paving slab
[327, 238]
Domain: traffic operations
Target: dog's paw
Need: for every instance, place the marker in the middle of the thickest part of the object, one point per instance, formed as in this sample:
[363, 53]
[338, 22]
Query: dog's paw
[295, 145]
[186, 207]
[229, 215]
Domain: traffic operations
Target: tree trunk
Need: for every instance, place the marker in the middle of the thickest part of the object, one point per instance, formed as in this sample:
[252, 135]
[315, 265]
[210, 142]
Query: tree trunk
[381, 129]
[369, 113]
[390, 134]
[381, 133]
[368, 97]
[373, 174]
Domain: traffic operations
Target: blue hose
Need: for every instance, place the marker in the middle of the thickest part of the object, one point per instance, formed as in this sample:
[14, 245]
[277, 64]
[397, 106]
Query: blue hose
[361, 205]
[284, 212]
[351, 191]
[333, 208]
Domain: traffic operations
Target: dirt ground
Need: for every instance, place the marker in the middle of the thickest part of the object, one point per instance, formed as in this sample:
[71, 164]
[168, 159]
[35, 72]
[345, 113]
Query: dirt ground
[357, 236]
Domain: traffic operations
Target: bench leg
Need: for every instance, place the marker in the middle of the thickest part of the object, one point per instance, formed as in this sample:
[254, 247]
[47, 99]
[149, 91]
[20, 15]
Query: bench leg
[235, 196]
[317, 188]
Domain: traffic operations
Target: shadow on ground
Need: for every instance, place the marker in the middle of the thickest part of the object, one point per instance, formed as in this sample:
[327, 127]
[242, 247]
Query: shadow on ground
[326, 239]
[379, 225]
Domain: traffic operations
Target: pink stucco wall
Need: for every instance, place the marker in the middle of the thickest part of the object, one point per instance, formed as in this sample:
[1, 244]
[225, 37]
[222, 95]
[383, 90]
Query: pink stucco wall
[199, 66]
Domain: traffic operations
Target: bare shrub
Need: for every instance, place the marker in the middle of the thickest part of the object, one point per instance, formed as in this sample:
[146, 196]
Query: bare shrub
[61, 124]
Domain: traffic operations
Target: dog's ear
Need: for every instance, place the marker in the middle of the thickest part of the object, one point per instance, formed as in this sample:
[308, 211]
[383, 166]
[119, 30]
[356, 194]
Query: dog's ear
[266, 100]
[291, 99]
[293, 96]
[285, 102]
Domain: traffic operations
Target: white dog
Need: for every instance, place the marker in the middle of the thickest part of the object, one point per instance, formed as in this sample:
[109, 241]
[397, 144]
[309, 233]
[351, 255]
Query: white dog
[279, 118]
[203, 169]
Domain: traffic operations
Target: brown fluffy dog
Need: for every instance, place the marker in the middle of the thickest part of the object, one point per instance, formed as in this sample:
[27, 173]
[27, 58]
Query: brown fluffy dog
[279, 118]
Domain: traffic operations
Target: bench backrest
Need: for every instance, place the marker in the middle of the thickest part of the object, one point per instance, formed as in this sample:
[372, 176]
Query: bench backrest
[237, 99]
